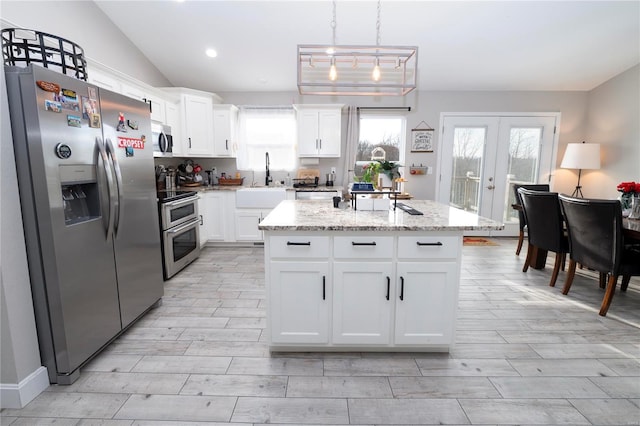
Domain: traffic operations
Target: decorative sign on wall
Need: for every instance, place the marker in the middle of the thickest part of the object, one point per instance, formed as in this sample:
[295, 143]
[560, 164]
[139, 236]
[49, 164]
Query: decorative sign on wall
[422, 138]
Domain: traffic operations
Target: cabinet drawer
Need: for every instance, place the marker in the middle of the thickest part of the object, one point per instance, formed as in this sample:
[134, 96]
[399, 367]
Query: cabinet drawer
[428, 247]
[299, 246]
[363, 247]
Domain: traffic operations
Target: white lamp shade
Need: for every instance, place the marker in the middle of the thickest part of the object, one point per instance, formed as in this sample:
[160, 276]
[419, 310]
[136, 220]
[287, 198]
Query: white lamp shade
[581, 156]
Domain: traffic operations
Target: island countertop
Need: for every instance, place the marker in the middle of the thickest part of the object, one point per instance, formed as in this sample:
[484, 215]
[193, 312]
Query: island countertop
[320, 215]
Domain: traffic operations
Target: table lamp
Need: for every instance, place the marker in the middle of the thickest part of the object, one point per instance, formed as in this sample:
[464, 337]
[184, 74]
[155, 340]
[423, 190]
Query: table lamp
[581, 156]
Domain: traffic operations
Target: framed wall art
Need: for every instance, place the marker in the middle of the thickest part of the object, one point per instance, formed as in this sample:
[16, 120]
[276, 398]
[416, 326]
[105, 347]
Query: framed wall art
[422, 138]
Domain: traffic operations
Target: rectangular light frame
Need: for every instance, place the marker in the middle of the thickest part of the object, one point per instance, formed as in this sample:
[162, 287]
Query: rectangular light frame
[398, 66]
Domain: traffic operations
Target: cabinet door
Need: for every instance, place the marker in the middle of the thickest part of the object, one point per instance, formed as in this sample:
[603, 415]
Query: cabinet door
[362, 302]
[224, 132]
[299, 302]
[198, 125]
[308, 142]
[247, 222]
[329, 133]
[157, 110]
[133, 92]
[104, 80]
[172, 116]
[426, 298]
[204, 222]
[215, 216]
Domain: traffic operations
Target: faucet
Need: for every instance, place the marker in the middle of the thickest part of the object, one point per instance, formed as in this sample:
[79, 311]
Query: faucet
[268, 177]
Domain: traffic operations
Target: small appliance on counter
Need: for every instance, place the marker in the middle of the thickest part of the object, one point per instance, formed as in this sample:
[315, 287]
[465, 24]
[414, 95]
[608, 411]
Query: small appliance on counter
[331, 177]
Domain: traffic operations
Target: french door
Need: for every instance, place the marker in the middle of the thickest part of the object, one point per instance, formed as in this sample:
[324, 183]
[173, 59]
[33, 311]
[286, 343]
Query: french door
[482, 157]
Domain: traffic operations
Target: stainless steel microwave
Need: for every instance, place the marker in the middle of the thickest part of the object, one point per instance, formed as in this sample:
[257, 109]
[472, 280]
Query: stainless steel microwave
[162, 140]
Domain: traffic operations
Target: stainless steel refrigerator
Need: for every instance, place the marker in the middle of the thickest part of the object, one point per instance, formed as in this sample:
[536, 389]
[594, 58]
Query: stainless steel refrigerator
[84, 158]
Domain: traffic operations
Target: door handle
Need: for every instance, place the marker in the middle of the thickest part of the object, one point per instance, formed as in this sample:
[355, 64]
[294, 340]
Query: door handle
[388, 287]
[116, 167]
[110, 184]
[428, 244]
[324, 287]
[226, 144]
[401, 288]
[294, 243]
[189, 142]
[491, 187]
[353, 243]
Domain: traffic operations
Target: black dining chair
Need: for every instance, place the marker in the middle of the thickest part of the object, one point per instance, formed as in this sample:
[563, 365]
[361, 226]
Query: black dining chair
[596, 240]
[545, 227]
[523, 223]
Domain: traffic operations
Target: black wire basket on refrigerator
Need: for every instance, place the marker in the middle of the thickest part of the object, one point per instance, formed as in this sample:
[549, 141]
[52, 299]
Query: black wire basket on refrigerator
[21, 47]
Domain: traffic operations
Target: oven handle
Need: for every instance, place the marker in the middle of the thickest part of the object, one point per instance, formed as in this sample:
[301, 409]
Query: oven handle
[184, 227]
[181, 202]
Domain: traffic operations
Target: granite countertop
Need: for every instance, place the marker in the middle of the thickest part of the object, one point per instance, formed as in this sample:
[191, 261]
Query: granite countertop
[320, 215]
[320, 188]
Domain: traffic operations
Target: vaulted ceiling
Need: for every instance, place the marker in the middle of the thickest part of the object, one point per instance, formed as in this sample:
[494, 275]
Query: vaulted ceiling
[463, 45]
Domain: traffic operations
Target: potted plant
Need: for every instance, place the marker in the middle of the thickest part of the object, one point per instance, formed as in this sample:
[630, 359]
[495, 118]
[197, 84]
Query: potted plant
[389, 170]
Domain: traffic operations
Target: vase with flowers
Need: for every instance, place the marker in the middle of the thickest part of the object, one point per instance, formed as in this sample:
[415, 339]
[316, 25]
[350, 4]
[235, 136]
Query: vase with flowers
[630, 199]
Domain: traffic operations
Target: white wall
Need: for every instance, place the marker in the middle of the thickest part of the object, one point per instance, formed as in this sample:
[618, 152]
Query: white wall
[83, 23]
[20, 357]
[613, 121]
[427, 106]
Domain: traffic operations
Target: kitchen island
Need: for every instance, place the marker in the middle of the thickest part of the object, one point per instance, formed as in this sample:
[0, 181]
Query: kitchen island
[344, 280]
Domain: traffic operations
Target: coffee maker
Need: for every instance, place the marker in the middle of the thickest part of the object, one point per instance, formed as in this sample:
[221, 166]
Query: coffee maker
[331, 177]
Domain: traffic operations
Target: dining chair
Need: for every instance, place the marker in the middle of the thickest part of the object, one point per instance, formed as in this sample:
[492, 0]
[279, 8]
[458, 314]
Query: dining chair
[596, 240]
[545, 227]
[521, 218]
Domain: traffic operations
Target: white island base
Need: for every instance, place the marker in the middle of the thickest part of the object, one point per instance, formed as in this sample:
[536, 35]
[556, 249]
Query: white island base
[341, 280]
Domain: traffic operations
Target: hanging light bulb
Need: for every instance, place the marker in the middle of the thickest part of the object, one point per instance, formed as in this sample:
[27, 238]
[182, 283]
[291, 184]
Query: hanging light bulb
[376, 71]
[333, 72]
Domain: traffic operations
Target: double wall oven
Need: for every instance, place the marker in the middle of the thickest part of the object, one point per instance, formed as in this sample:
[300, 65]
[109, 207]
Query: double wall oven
[180, 234]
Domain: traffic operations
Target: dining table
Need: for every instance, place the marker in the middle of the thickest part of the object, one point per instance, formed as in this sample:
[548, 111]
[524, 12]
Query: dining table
[630, 231]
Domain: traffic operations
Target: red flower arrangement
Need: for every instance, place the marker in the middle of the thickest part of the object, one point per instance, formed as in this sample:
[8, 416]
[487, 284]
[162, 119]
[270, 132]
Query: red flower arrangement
[629, 187]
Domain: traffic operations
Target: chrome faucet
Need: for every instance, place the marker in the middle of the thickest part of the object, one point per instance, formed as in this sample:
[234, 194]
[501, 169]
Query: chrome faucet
[268, 177]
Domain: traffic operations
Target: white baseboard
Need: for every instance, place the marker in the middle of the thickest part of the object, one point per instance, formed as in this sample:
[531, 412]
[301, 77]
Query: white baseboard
[17, 396]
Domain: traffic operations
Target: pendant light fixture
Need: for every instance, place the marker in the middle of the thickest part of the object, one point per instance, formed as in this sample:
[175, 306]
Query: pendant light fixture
[370, 70]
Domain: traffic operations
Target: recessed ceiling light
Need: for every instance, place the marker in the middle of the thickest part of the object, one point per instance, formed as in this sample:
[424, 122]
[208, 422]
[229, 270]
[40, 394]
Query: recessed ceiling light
[211, 53]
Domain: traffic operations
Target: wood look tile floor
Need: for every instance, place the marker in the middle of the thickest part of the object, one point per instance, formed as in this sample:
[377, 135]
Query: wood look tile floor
[524, 354]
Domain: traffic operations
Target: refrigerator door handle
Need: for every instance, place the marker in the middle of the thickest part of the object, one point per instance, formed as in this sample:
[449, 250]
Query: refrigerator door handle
[110, 183]
[116, 166]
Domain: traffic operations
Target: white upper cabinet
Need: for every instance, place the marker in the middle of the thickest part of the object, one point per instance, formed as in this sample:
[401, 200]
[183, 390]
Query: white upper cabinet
[157, 107]
[104, 80]
[197, 119]
[172, 119]
[319, 130]
[225, 119]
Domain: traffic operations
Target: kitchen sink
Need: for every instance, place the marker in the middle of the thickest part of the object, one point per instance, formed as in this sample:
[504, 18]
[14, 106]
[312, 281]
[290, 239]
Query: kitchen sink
[260, 198]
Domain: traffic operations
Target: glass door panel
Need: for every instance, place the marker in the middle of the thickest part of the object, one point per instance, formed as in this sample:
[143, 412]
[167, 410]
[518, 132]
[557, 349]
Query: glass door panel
[482, 157]
[468, 152]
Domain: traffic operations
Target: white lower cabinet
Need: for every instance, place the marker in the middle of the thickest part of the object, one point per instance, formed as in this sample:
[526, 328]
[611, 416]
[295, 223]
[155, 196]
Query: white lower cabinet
[375, 290]
[212, 208]
[216, 208]
[424, 297]
[204, 221]
[299, 302]
[247, 221]
[362, 302]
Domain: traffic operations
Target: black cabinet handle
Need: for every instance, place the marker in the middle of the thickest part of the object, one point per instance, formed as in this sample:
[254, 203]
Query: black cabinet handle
[226, 144]
[201, 220]
[401, 288]
[189, 142]
[388, 287]
[324, 287]
[363, 244]
[293, 243]
[428, 244]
